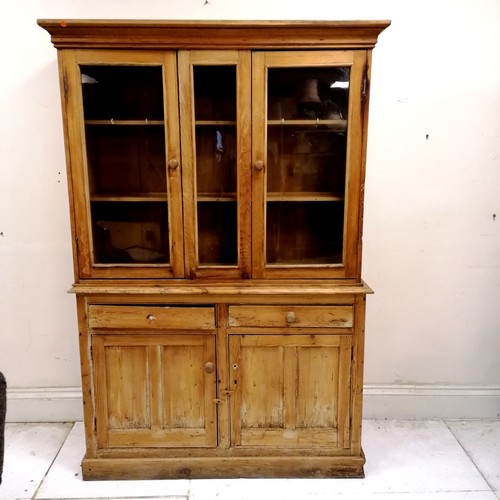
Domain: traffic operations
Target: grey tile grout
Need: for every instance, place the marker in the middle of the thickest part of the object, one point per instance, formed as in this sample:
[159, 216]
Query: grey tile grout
[468, 455]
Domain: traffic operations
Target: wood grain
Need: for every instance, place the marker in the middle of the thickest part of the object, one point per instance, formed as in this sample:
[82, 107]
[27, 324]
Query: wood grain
[121, 34]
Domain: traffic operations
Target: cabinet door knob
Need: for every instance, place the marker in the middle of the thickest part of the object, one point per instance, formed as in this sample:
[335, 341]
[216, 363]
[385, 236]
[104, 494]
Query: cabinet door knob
[150, 317]
[259, 165]
[209, 367]
[173, 164]
[290, 317]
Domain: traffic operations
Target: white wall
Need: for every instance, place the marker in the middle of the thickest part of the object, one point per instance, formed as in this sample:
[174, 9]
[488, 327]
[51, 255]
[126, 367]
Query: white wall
[432, 244]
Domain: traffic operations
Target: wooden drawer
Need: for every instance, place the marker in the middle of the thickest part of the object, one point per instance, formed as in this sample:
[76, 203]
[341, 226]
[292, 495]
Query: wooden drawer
[151, 317]
[291, 316]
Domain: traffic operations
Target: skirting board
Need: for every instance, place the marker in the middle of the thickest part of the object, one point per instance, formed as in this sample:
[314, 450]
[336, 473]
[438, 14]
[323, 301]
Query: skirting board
[64, 404]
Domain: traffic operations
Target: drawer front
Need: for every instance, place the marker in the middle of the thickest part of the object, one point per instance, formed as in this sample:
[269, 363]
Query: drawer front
[151, 317]
[291, 316]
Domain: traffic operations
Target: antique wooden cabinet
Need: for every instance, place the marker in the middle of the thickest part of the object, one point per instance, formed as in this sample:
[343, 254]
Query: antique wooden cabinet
[216, 179]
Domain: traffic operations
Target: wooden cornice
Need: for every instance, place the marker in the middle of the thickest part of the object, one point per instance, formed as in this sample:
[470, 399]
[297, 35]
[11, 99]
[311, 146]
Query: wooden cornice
[149, 34]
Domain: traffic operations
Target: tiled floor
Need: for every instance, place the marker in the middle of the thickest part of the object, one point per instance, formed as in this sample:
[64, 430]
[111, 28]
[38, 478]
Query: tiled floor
[435, 460]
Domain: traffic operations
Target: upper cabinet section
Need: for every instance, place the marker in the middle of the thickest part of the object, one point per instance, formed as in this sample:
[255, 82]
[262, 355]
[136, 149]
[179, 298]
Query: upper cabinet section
[215, 150]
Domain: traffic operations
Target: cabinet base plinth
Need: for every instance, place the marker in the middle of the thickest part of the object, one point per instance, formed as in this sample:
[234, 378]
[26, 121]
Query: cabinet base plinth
[222, 467]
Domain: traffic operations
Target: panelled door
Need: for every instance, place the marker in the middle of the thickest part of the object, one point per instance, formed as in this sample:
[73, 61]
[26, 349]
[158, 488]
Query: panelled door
[290, 390]
[124, 152]
[307, 163]
[155, 390]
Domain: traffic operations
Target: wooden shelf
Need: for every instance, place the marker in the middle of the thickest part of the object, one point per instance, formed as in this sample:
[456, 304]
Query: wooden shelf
[216, 197]
[132, 197]
[333, 125]
[135, 123]
[291, 196]
[215, 122]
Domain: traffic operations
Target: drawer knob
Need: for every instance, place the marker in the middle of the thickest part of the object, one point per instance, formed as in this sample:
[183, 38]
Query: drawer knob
[209, 367]
[150, 317]
[290, 317]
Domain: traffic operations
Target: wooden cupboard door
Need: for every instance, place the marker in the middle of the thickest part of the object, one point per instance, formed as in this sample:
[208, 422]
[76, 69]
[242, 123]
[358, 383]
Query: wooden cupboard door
[215, 96]
[308, 163]
[155, 390]
[121, 116]
[290, 390]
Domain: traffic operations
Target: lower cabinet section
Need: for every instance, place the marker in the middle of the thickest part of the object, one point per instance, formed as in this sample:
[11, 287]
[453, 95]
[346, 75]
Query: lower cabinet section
[222, 390]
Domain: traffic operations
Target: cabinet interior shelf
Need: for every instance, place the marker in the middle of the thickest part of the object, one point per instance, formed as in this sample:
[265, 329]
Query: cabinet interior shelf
[205, 197]
[303, 196]
[135, 123]
[134, 197]
[216, 197]
[334, 125]
[215, 122]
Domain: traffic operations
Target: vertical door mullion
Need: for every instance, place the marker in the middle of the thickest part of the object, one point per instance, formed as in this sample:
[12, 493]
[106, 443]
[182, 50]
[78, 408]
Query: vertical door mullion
[173, 159]
[244, 173]
[259, 80]
[188, 163]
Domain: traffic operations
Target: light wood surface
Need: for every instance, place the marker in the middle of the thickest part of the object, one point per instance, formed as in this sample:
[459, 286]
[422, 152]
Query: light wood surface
[122, 34]
[151, 318]
[291, 316]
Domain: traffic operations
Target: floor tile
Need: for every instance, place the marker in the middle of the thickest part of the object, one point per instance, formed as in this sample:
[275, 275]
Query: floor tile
[403, 457]
[481, 441]
[64, 479]
[313, 489]
[29, 451]
[417, 457]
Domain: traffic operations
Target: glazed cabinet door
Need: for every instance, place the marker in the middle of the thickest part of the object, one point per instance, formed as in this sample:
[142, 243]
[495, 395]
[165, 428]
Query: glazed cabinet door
[121, 116]
[154, 390]
[290, 390]
[215, 93]
[307, 115]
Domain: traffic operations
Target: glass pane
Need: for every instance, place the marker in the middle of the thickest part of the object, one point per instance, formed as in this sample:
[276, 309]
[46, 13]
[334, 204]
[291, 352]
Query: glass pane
[306, 164]
[217, 227]
[216, 163]
[126, 165]
[122, 92]
[126, 159]
[130, 232]
[214, 92]
[304, 233]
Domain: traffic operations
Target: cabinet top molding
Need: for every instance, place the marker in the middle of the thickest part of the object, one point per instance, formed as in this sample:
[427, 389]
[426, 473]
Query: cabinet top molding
[150, 34]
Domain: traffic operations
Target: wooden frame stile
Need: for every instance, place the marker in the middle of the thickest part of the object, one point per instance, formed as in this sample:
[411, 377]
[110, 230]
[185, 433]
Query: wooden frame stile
[172, 142]
[68, 144]
[355, 170]
[357, 366]
[259, 139]
[224, 394]
[365, 101]
[73, 110]
[86, 364]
